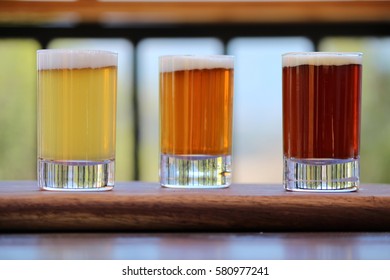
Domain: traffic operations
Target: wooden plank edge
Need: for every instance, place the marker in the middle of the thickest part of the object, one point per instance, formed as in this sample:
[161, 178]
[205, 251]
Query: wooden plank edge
[183, 212]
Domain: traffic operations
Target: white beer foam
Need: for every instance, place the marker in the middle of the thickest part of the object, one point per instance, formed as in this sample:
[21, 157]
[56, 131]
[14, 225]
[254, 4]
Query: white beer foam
[75, 59]
[321, 58]
[193, 62]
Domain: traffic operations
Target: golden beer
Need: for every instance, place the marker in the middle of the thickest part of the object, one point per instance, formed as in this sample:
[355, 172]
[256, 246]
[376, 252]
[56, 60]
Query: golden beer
[76, 119]
[196, 103]
[75, 123]
[200, 124]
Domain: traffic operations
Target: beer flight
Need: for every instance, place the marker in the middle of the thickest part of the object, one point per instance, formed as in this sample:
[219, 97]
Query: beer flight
[77, 120]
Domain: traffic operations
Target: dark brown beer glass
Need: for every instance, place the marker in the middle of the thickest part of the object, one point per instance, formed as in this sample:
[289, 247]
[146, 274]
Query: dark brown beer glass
[321, 121]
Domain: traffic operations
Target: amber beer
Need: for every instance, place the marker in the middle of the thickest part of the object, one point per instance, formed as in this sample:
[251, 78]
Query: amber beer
[76, 119]
[321, 120]
[196, 103]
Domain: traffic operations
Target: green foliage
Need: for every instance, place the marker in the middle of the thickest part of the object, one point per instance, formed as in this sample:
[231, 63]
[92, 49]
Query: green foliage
[18, 109]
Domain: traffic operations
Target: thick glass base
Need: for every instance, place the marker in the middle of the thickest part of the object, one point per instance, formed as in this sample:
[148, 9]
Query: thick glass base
[195, 171]
[76, 175]
[321, 175]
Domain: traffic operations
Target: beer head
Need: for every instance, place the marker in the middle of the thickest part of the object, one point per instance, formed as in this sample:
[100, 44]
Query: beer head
[321, 58]
[192, 62]
[75, 59]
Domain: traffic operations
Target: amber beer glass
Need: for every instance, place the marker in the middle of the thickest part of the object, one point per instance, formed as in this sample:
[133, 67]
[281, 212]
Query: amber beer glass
[196, 103]
[321, 121]
[76, 119]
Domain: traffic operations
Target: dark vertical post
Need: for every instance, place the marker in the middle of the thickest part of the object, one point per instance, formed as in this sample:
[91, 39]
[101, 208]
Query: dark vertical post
[136, 115]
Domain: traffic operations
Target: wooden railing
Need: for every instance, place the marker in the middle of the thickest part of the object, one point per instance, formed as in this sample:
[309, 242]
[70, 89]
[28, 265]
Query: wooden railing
[92, 11]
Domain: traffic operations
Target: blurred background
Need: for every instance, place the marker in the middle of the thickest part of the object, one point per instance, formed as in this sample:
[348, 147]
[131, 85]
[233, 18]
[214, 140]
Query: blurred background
[257, 33]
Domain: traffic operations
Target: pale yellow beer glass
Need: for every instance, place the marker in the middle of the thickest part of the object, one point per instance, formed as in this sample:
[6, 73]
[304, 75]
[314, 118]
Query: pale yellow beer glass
[196, 112]
[76, 119]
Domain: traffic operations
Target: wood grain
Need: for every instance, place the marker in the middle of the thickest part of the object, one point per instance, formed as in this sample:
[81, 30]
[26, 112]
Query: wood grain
[194, 11]
[140, 206]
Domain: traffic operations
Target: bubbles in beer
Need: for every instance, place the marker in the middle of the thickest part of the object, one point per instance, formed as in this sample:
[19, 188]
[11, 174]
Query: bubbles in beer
[75, 59]
[190, 62]
[321, 58]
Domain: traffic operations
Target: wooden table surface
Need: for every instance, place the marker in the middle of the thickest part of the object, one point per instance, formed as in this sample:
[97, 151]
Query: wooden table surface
[143, 221]
[145, 207]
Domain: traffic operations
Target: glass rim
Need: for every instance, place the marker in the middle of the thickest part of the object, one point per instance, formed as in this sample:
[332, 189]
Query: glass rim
[171, 63]
[197, 56]
[335, 54]
[293, 59]
[75, 59]
[76, 51]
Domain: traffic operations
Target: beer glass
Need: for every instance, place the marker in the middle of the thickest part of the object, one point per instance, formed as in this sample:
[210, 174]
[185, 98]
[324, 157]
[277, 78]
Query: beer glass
[76, 119]
[196, 108]
[321, 121]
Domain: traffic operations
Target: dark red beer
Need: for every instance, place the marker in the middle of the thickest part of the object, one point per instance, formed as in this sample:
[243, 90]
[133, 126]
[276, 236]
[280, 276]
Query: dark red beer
[321, 107]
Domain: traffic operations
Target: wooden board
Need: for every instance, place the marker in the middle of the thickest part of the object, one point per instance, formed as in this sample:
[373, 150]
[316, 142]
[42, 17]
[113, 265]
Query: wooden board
[140, 206]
